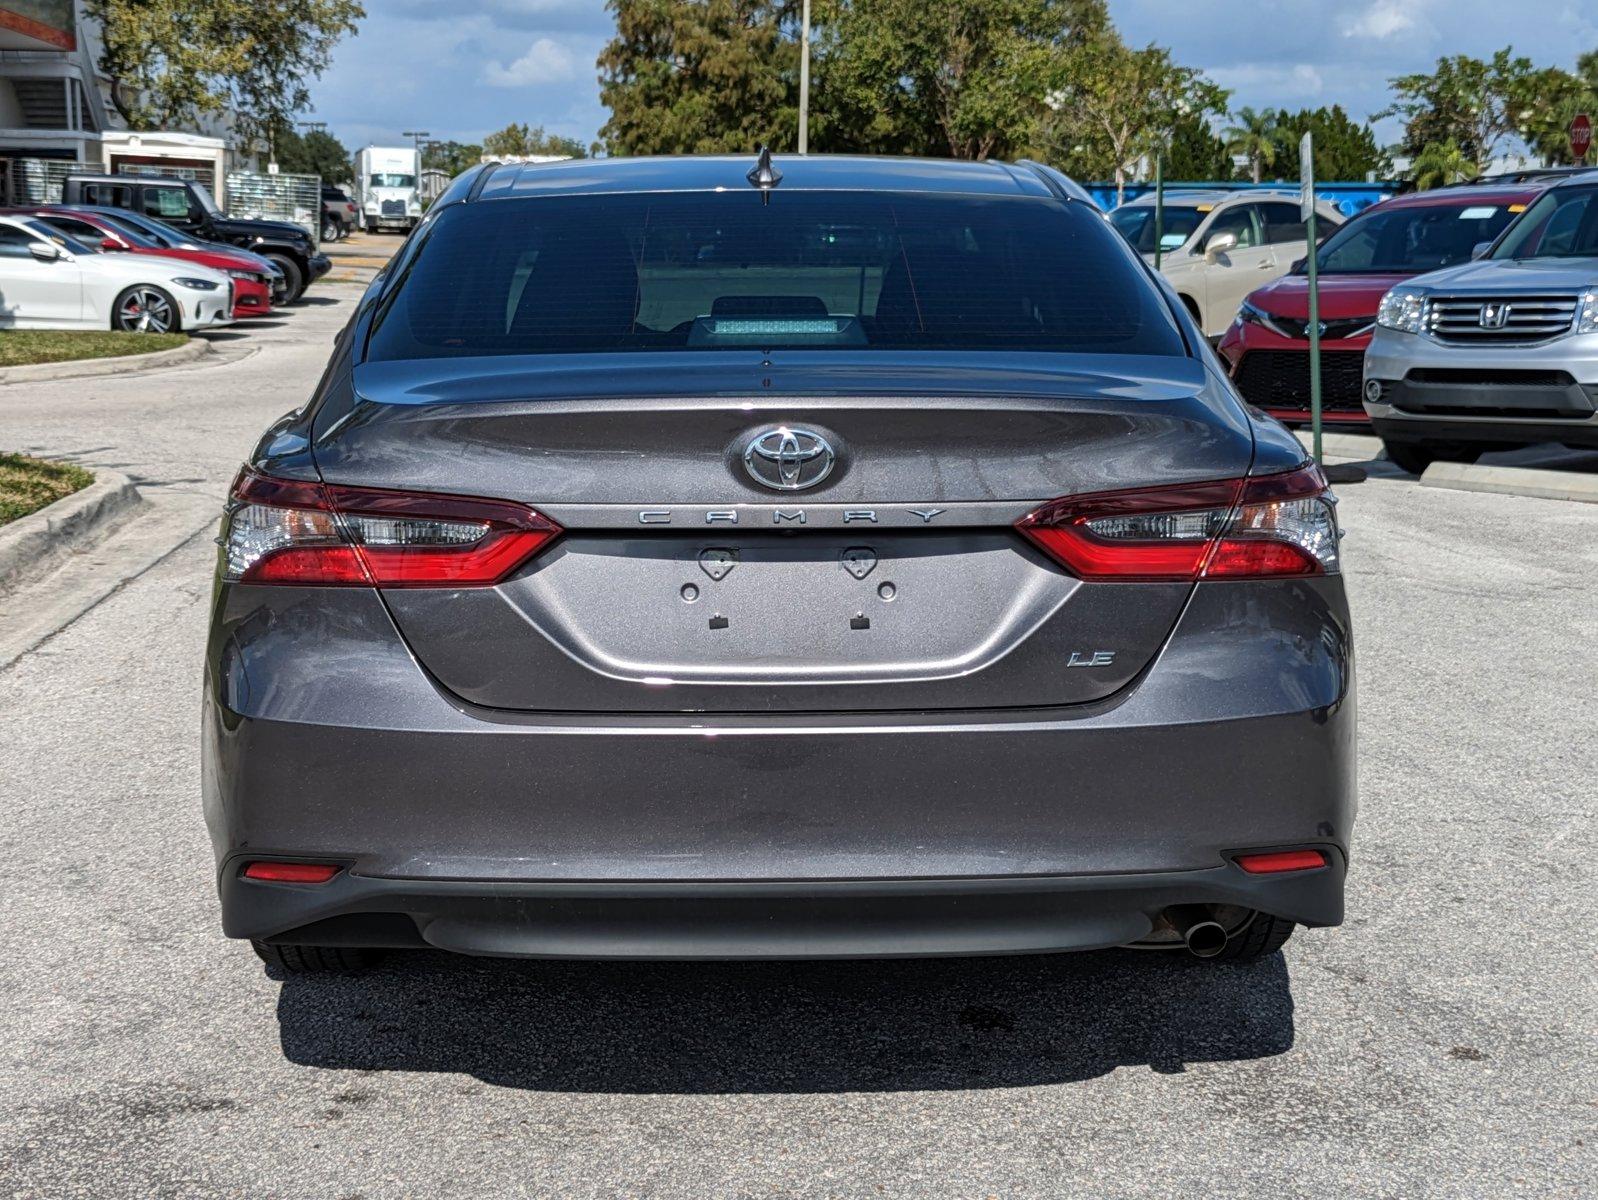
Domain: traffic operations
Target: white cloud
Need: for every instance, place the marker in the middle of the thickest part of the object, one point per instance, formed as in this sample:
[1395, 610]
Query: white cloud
[546, 61]
[1382, 20]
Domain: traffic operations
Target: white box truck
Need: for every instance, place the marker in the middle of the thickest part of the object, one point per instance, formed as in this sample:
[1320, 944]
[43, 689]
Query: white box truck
[385, 187]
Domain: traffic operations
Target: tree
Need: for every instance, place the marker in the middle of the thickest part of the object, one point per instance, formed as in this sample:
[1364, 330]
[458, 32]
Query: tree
[1556, 97]
[1255, 137]
[316, 153]
[524, 140]
[699, 77]
[450, 157]
[955, 78]
[1194, 152]
[1477, 104]
[1114, 106]
[1343, 149]
[1441, 163]
[171, 61]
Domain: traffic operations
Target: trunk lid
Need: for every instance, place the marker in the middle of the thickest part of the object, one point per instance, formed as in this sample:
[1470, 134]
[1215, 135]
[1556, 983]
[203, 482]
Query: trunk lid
[684, 585]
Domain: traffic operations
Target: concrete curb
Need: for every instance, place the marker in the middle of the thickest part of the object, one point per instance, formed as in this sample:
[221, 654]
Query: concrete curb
[1512, 481]
[122, 364]
[70, 522]
[1361, 446]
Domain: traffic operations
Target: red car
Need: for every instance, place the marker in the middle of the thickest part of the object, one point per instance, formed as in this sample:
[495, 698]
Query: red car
[1267, 346]
[252, 291]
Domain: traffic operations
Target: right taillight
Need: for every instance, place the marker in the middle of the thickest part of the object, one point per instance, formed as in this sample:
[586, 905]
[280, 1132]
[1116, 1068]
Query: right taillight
[286, 531]
[1263, 526]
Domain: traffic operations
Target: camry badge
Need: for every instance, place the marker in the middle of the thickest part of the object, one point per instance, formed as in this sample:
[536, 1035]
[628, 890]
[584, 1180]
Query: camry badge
[788, 459]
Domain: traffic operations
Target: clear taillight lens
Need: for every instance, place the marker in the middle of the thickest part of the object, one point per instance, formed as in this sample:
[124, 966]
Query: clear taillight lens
[292, 532]
[1270, 525]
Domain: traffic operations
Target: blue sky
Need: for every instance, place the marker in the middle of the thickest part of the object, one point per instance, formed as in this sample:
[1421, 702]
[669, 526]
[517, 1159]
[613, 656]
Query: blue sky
[464, 68]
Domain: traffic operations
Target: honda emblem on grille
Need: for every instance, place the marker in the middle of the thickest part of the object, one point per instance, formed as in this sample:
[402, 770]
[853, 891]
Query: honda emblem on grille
[1493, 316]
[788, 459]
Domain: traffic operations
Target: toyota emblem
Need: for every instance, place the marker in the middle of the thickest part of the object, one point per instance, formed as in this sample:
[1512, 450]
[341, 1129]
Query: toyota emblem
[788, 459]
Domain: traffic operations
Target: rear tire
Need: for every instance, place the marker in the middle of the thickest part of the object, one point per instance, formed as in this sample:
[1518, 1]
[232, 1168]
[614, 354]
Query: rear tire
[293, 277]
[1415, 457]
[317, 960]
[331, 230]
[1264, 935]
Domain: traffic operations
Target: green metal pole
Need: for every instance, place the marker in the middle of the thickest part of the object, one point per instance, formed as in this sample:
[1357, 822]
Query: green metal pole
[1159, 209]
[1314, 337]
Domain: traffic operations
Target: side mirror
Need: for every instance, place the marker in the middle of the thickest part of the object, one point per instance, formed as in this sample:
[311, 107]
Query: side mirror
[44, 251]
[111, 244]
[1219, 245]
[1479, 250]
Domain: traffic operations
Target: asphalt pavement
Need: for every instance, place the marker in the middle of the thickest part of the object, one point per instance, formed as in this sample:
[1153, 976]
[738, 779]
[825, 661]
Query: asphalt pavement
[1441, 1043]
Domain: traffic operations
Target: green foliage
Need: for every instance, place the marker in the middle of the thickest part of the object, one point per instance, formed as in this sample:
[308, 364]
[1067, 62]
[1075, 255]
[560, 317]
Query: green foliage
[1343, 148]
[453, 157]
[1475, 103]
[28, 484]
[1114, 107]
[953, 78]
[699, 77]
[1254, 136]
[525, 140]
[1195, 153]
[1441, 163]
[317, 152]
[172, 60]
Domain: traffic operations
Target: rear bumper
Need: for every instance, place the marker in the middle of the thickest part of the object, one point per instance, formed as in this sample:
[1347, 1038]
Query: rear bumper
[317, 266]
[787, 919]
[780, 834]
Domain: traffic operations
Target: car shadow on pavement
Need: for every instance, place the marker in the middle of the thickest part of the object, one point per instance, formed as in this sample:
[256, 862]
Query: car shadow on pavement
[698, 1028]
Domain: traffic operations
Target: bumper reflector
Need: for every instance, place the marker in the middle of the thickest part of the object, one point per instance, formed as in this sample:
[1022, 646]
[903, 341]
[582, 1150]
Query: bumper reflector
[286, 872]
[1281, 860]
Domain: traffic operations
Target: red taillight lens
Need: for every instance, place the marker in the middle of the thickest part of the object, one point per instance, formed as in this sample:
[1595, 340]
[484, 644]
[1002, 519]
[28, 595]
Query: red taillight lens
[291, 532]
[1271, 525]
[1277, 861]
[287, 872]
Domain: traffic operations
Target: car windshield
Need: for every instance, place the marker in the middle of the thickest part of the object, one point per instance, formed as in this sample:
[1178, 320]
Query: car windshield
[48, 233]
[809, 270]
[1409, 240]
[1562, 223]
[1177, 223]
[390, 180]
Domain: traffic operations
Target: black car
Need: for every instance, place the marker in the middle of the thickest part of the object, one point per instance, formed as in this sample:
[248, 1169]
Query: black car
[844, 557]
[190, 207]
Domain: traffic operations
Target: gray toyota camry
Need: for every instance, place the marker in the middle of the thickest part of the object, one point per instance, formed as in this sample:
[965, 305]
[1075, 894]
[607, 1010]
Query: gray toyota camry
[775, 558]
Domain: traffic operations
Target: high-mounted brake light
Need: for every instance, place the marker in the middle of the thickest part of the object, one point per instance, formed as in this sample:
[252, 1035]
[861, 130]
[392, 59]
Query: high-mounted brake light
[286, 531]
[1268, 525]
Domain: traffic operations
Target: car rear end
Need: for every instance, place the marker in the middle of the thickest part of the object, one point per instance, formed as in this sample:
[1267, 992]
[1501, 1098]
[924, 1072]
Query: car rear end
[861, 568]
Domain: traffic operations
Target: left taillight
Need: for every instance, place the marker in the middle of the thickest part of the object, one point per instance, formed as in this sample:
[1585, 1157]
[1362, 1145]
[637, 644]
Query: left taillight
[282, 531]
[1261, 526]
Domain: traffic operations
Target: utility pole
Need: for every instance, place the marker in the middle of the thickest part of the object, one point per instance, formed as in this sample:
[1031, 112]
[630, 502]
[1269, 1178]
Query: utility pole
[804, 80]
[1306, 202]
[416, 136]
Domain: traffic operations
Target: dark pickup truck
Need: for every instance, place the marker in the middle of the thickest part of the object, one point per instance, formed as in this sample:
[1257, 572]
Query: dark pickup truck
[190, 207]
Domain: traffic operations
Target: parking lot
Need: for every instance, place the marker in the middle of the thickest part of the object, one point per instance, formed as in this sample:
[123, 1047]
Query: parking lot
[1440, 1043]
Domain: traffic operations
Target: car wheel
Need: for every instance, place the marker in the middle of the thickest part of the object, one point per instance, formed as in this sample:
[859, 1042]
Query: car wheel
[330, 230]
[293, 277]
[1264, 935]
[316, 960]
[1415, 457]
[144, 308]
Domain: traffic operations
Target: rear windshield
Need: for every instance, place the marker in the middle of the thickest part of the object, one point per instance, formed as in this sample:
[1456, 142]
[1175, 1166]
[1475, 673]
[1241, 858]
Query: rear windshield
[809, 270]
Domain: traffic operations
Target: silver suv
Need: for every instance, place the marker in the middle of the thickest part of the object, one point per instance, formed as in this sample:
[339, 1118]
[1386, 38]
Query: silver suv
[1499, 352]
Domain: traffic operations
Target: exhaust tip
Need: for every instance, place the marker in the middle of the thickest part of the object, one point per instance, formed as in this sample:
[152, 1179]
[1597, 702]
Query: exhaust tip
[1205, 939]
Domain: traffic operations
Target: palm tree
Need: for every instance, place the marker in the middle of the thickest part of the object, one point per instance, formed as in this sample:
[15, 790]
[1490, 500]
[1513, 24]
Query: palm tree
[1255, 136]
[1442, 163]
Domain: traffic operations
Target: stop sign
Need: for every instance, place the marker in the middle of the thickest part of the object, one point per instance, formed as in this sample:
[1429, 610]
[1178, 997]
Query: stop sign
[1580, 135]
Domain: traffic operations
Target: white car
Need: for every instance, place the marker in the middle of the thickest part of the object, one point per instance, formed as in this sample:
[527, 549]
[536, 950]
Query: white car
[1218, 246]
[51, 281]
